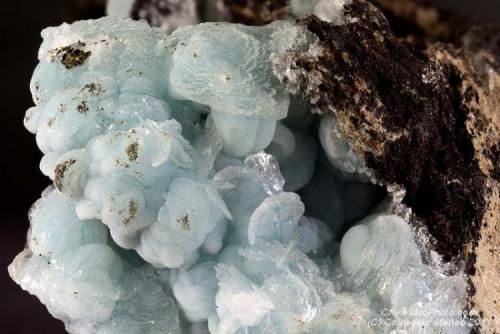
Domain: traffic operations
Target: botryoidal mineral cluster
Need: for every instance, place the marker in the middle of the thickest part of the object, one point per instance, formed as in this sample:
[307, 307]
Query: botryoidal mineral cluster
[313, 174]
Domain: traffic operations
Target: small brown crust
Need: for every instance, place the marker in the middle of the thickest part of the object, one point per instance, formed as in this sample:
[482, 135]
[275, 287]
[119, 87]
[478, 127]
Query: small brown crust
[82, 108]
[184, 222]
[94, 89]
[70, 56]
[133, 208]
[59, 172]
[132, 151]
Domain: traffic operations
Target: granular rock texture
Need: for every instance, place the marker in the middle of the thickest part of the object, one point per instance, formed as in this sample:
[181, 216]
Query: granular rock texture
[389, 97]
[479, 62]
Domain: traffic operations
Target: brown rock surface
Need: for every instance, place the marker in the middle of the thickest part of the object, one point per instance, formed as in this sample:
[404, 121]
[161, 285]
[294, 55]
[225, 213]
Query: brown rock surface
[425, 116]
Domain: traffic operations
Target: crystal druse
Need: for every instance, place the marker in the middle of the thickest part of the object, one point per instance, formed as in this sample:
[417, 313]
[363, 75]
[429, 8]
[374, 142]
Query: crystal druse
[193, 194]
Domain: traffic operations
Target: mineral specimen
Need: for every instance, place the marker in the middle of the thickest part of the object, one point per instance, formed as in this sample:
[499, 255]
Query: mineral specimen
[193, 194]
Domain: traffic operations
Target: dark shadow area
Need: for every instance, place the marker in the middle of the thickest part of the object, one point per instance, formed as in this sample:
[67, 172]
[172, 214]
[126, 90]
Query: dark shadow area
[479, 9]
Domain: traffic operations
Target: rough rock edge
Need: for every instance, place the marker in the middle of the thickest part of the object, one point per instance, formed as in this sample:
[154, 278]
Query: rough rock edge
[475, 52]
[426, 120]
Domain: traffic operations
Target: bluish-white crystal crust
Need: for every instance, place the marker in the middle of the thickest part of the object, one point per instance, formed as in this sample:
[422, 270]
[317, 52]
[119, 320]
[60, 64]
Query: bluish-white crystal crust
[175, 159]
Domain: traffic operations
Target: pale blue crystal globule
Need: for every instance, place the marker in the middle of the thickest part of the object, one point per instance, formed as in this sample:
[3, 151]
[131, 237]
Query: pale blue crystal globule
[76, 271]
[175, 163]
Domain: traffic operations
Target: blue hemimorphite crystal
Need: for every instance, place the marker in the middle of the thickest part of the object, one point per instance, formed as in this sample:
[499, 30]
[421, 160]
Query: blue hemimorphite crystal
[78, 273]
[175, 160]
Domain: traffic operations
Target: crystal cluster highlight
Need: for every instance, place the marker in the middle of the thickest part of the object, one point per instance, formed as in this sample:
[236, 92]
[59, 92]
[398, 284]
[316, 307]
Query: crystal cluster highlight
[193, 194]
